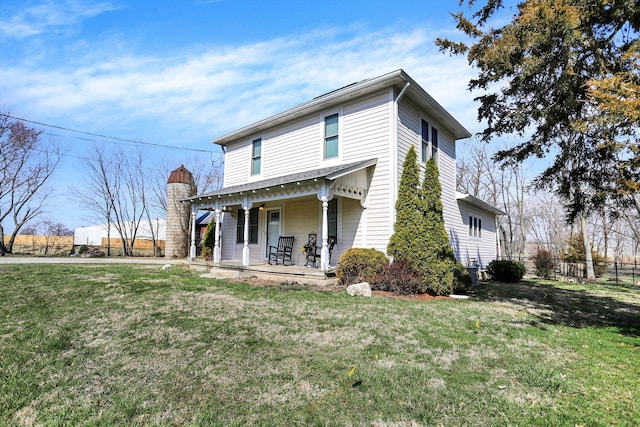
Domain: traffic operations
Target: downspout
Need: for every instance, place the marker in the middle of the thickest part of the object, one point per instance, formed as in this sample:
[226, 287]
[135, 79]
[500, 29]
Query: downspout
[499, 251]
[394, 158]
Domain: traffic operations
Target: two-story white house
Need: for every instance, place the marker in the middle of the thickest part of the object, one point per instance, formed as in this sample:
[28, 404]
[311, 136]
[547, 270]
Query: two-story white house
[332, 166]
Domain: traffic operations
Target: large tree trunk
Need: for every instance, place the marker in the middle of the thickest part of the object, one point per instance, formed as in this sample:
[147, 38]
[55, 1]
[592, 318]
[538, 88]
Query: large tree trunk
[587, 249]
[3, 250]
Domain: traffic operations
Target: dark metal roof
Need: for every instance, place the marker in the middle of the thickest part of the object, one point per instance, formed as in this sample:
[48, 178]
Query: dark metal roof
[330, 172]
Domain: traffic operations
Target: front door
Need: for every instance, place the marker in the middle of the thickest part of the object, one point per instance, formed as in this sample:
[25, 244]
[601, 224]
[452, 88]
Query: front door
[273, 229]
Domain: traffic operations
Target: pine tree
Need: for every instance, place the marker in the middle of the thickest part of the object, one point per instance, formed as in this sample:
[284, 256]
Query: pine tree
[438, 262]
[406, 228]
[419, 236]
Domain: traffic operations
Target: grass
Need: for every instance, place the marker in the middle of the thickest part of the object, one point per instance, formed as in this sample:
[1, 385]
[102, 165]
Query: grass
[132, 345]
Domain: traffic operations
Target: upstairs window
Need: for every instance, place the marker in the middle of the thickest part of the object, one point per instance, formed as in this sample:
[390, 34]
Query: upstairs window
[429, 145]
[425, 141]
[331, 136]
[434, 142]
[256, 156]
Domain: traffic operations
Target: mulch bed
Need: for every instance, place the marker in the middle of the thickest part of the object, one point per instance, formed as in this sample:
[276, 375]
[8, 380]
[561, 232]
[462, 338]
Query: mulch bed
[380, 294]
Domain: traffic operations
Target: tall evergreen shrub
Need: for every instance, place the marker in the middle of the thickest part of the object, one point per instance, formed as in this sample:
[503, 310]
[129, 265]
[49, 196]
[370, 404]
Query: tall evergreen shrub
[407, 230]
[419, 236]
[438, 262]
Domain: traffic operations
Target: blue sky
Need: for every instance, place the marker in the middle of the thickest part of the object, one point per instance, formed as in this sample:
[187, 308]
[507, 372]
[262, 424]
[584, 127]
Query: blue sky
[180, 73]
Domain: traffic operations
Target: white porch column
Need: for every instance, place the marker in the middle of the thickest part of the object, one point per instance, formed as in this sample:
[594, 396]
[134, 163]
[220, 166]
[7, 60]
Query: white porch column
[192, 249]
[245, 248]
[324, 254]
[216, 245]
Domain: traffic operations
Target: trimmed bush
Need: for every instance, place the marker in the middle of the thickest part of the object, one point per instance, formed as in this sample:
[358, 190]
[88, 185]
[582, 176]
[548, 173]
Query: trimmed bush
[209, 238]
[360, 265]
[400, 278]
[461, 279]
[506, 271]
[543, 261]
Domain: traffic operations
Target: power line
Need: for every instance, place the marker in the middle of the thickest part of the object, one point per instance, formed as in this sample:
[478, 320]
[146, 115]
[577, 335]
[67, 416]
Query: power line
[133, 141]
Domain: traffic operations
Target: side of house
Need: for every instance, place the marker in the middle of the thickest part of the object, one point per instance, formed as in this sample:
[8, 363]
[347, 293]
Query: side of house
[331, 167]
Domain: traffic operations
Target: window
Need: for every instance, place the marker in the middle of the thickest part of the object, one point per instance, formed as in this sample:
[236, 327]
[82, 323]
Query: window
[253, 226]
[332, 217]
[256, 156]
[425, 140]
[331, 136]
[434, 143]
[475, 226]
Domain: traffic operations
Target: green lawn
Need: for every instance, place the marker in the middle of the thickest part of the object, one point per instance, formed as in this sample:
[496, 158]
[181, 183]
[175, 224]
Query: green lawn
[126, 345]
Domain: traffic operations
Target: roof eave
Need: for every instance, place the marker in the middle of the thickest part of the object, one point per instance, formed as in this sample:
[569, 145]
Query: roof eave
[397, 77]
[472, 200]
[316, 104]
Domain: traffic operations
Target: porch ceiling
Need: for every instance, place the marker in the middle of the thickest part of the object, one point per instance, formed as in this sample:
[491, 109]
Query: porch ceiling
[304, 183]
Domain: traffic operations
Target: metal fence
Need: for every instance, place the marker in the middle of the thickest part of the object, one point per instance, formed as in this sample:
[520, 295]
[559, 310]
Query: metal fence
[618, 271]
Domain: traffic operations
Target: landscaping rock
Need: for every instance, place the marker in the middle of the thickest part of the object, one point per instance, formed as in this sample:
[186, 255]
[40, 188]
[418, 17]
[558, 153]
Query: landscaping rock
[361, 289]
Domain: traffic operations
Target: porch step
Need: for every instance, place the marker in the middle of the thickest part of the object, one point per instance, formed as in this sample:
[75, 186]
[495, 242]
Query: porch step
[280, 273]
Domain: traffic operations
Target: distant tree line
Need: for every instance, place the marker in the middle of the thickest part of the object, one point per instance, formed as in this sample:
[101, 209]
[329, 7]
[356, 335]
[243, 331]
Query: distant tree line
[119, 188]
[26, 165]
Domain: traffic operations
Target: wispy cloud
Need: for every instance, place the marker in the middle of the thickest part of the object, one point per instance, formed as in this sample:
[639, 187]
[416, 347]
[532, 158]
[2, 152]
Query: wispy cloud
[201, 94]
[48, 16]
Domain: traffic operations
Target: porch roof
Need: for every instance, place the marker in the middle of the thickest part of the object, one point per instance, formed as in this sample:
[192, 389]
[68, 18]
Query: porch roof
[329, 173]
[478, 203]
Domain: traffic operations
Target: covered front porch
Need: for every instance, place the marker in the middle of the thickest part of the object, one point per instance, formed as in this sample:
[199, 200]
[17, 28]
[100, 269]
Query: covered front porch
[250, 218]
[277, 273]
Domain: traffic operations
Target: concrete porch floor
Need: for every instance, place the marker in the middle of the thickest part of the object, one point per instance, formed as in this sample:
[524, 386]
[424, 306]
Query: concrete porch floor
[282, 273]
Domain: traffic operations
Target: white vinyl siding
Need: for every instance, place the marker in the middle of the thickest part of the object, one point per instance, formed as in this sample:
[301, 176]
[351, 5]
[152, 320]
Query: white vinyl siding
[229, 238]
[351, 215]
[367, 134]
[293, 148]
[237, 168]
[480, 247]
[302, 219]
[365, 131]
[410, 133]
[447, 168]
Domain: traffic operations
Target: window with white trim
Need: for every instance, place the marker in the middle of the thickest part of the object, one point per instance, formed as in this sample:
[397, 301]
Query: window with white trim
[332, 217]
[331, 136]
[475, 226]
[429, 148]
[424, 131]
[434, 143]
[256, 156]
